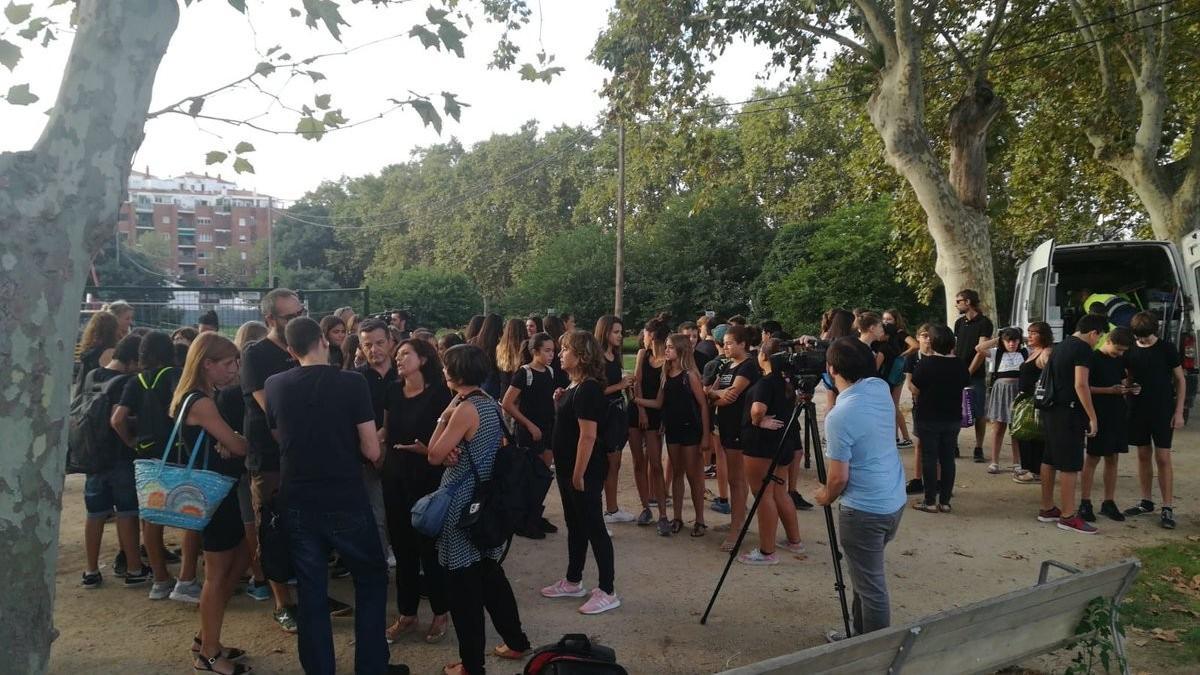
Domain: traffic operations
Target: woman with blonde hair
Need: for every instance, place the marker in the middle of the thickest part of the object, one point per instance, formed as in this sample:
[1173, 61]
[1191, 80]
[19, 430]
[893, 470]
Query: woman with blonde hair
[508, 352]
[124, 313]
[212, 362]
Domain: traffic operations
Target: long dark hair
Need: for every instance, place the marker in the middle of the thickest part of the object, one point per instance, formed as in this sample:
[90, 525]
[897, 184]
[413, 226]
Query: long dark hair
[554, 326]
[604, 326]
[488, 336]
[431, 371]
[841, 323]
[473, 325]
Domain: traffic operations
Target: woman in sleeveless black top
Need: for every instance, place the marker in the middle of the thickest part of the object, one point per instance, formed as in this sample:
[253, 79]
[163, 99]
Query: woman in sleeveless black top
[1040, 340]
[645, 441]
[212, 362]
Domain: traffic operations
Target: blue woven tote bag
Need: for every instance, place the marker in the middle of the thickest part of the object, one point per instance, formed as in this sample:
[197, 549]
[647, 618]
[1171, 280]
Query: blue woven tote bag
[179, 496]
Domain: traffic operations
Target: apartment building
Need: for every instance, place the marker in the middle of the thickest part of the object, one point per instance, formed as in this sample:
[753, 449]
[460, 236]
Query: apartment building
[198, 216]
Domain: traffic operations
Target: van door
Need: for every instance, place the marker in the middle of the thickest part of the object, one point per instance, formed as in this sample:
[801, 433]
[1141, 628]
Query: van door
[1039, 275]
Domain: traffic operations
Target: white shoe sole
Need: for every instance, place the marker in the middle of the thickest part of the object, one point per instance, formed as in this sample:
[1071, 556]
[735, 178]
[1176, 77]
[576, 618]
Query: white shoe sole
[616, 603]
[581, 594]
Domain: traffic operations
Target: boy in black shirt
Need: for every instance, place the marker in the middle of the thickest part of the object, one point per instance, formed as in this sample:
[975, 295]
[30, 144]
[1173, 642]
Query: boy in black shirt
[1156, 412]
[1070, 420]
[971, 327]
[1106, 376]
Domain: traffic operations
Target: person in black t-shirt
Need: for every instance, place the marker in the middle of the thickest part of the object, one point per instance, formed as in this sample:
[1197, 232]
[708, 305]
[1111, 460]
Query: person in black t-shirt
[377, 343]
[916, 485]
[614, 427]
[325, 424]
[969, 329]
[902, 345]
[729, 396]
[937, 384]
[1106, 377]
[260, 361]
[1069, 421]
[529, 400]
[413, 402]
[1157, 411]
[581, 466]
[213, 363]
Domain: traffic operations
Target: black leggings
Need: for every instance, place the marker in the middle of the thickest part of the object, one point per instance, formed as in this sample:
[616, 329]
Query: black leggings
[473, 589]
[939, 441]
[584, 516]
[1031, 455]
[414, 553]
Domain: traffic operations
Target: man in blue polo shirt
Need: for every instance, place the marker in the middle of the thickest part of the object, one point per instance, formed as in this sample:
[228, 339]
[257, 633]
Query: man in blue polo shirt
[866, 474]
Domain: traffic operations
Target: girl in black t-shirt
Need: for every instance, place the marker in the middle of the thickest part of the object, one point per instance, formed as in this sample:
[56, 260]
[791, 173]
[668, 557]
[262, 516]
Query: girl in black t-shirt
[580, 470]
[412, 405]
[212, 362]
[729, 395]
[609, 334]
[529, 400]
[771, 403]
[685, 421]
[645, 440]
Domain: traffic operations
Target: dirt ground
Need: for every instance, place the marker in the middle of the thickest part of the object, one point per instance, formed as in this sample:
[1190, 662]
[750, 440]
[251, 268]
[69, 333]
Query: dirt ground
[990, 545]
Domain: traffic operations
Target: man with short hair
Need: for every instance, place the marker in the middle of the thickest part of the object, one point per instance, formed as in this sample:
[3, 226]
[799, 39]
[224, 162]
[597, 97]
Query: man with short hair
[971, 328]
[378, 345]
[1108, 380]
[866, 474]
[400, 319]
[1069, 421]
[325, 426]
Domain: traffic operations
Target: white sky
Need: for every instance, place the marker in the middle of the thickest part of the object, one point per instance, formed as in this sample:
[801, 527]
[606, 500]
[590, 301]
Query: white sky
[215, 44]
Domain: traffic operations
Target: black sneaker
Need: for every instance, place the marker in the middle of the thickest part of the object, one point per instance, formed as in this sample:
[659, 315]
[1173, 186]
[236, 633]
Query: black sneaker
[798, 501]
[397, 669]
[531, 533]
[549, 527]
[339, 570]
[339, 608]
[1168, 518]
[91, 581]
[1109, 509]
[286, 618]
[120, 567]
[979, 456]
[1085, 511]
[1142, 507]
[139, 578]
[914, 487]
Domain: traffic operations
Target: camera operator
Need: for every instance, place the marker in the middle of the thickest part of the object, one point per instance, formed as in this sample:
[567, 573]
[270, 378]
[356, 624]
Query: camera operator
[865, 472]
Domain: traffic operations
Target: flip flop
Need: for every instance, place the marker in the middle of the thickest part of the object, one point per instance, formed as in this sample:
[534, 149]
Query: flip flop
[698, 529]
[676, 526]
[927, 508]
[727, 546]
[433, 636]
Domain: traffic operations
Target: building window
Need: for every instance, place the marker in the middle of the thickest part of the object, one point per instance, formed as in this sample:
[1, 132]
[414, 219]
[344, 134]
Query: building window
[201, 255]
[241, 222]
[201, 272]
[242, 238]
[204, 237]
[166, 236]
[166, 220]
[243, 255]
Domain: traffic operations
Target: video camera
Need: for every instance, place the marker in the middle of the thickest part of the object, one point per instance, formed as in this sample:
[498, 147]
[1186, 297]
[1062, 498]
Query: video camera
[803, 363]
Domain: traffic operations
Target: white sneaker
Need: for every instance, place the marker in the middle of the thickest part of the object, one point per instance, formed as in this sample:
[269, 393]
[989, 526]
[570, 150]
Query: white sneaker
[758, 559]
[187, 591]
[599, 603]
[391, 560]
[161, 590]
[619, 516]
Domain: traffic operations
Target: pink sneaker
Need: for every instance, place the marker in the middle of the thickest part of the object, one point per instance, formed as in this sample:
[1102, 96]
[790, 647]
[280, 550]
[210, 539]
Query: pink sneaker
[599, 603]
[564, 589]
[758, 558]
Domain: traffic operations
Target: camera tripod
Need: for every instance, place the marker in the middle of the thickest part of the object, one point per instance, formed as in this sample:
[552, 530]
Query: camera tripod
[812, 447]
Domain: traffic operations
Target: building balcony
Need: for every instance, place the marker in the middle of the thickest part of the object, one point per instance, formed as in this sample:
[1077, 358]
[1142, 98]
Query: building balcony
[183, 245]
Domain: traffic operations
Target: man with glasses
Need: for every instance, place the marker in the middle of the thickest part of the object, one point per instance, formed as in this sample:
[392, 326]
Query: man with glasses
[970, 328]
[261, 360]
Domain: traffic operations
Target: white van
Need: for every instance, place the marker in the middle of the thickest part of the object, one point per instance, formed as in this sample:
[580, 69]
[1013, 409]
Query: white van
[1155, 275]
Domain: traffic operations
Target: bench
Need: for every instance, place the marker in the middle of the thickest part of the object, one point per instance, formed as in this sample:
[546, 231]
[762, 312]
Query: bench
[979, 638]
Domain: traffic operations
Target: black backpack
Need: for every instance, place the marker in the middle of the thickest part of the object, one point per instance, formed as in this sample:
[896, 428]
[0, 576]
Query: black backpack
[506, 501]
[153, 421]
[91, 447]
[574, 654]
[1043, 391]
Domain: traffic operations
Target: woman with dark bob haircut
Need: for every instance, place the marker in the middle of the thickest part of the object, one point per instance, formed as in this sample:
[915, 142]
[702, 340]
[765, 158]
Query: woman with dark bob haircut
[465, 441]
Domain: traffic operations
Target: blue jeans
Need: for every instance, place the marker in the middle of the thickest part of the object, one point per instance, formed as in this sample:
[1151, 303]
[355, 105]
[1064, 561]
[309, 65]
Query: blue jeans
[864, 536]
[312, 535]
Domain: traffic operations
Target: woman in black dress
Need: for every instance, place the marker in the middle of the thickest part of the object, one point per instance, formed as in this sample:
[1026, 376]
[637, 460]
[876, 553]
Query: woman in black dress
[413, 403]
[212, 362]
[609, 333]
[645, 440]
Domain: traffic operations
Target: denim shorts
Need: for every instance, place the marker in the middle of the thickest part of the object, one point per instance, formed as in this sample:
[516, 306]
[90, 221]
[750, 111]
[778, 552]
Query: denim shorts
[111, 490]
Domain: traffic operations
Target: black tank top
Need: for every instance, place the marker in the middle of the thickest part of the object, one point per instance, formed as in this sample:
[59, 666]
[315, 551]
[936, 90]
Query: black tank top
[230, 467]
[651, 377]
[1029, 374]
[679, 404]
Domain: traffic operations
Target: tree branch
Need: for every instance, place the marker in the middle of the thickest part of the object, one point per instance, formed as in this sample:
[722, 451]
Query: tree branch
[880, 27]
[853, 45]
[989, 40]
[908, 42]
[1084, 24]
[959, 57]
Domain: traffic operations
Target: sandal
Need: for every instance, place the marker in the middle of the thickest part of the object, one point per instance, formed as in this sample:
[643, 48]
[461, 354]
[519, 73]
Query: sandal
[437, 629]
[227, 653]
[399, 627]
[927, 508]
[698, 529]
[505, 652]
[207, 665]
[676, 526]
[727, 546]
[994, 468]
[454, 669]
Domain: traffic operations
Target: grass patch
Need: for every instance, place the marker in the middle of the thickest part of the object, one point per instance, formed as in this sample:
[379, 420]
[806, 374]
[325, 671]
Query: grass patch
[1162, 610]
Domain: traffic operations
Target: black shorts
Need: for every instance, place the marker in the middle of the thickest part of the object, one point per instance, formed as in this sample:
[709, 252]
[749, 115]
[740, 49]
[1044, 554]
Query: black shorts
[731, 435]
[653, 417]
[1065, 436]
[1146, 428]
[684, 433]
[225, 530]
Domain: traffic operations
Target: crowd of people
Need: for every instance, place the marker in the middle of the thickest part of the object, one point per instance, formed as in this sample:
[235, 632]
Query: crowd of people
[341, 426]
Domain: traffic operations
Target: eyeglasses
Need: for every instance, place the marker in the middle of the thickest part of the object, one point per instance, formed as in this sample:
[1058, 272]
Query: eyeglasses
[958, 300]
[295, 315]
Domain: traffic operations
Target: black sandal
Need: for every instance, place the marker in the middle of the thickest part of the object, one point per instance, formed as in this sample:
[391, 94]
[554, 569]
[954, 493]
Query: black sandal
[228, 653]
[676, 526]
[207, 663]
[698, 529]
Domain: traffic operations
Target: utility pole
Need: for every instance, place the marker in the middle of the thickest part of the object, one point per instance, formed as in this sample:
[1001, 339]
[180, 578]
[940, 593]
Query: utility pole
[270, 242]
[619, 300]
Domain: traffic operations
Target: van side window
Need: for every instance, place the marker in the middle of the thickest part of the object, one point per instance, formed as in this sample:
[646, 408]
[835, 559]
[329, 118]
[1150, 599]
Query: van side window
[1037, 296]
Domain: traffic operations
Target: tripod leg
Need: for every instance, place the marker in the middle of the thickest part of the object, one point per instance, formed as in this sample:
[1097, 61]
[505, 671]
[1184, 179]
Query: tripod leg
[812, 434]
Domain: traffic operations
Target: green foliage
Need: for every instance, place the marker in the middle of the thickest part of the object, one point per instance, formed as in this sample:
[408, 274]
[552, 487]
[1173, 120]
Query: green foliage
[1099, 643]
[134, 268]
[838, 261]
[438, 298]
[1163, 605]
[573, 272]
